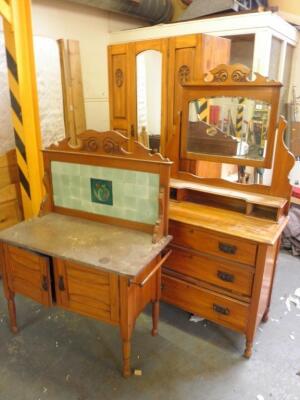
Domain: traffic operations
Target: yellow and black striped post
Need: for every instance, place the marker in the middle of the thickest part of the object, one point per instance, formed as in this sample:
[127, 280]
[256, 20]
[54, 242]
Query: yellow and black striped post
[24, 104]
[239, 117]
[202, 110]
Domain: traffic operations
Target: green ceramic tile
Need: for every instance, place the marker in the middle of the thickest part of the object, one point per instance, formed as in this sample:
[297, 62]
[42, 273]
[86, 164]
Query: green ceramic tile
[101, 191]
[134, 194]
[130, 177]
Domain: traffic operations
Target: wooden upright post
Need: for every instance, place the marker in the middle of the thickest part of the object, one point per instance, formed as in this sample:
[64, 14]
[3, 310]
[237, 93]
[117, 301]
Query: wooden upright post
[24, 101]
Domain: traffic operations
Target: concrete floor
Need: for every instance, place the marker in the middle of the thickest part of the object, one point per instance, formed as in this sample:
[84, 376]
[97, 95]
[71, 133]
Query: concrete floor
[62, 356]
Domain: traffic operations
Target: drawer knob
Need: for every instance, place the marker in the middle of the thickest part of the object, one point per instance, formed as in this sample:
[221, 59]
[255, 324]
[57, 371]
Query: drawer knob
[221, 310]
[45, 283]
[227, 248]
[224, 276]
[61, 283]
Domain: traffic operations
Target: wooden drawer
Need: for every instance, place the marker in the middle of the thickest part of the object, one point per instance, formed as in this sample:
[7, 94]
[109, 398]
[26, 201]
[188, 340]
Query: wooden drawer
[218, 245]
[87, 291]
[215, 271]
[29, 274]
[215, 307]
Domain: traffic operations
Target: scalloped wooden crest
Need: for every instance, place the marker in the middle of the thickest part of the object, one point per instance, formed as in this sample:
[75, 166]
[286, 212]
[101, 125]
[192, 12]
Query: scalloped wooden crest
[236, 73]
[108, 143]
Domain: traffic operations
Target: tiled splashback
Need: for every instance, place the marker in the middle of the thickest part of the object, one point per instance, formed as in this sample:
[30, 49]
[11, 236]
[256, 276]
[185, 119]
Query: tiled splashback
[119, 193]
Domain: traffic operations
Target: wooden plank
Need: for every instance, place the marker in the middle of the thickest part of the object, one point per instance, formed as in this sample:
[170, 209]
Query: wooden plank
[10, 214]
[8, 159]
[8, 193]
[8, 169]
[76, 85]
[67, 90]
[73, 97]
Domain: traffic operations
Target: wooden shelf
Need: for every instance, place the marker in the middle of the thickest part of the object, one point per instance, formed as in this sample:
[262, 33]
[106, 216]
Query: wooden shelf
[254, 198]
[255, 204]
[227, 222]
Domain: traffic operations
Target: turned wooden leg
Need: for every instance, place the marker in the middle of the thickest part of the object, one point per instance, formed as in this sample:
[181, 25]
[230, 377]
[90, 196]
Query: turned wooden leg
[155, 317]
[248, 349]
[8, 293]
[12, 314]
[266, 315]
[126, 358]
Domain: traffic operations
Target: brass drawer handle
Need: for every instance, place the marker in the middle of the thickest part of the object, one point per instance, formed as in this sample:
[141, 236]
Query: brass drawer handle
[61, 283]
[221, 310]
[45, 286]
[227, 248]
[225, 276]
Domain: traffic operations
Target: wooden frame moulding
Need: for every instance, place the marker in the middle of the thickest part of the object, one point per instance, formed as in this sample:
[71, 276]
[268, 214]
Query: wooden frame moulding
[109, 149]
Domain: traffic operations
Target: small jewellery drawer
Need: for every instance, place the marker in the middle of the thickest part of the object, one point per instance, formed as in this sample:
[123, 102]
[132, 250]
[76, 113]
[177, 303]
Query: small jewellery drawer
[215, 271]
[215, 307]
[222, 246]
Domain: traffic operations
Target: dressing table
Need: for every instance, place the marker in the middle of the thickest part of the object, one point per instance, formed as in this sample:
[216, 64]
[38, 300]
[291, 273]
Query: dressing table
[98, 245]
[226, 235]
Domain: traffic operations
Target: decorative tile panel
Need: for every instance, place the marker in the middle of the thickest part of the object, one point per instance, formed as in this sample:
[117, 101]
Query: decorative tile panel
[133, 195]
[101, 191]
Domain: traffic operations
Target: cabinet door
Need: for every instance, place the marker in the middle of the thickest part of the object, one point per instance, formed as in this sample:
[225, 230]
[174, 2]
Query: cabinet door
[190, 57]
[28, 274]
[87, 291]
[120, 88]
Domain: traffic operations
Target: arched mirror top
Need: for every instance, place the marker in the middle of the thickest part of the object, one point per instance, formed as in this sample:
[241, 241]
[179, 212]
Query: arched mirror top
[149, 64]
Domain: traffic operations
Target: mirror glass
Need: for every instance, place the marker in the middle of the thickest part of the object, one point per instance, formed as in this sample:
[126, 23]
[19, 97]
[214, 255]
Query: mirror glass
[228, 126]
[149, 90]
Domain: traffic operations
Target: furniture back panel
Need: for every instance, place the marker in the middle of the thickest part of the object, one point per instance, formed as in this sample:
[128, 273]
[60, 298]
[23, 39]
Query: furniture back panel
[130, 195]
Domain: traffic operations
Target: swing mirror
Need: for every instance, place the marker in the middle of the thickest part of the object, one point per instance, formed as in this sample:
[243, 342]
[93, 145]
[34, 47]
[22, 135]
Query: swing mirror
[228, 126]
[229, 118]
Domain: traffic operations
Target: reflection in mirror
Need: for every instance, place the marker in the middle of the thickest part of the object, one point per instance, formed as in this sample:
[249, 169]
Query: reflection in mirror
[149, 90]
[234, 173]
[228, 126]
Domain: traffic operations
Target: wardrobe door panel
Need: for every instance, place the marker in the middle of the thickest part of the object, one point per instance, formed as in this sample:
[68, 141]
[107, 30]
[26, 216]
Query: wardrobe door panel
[119, 88]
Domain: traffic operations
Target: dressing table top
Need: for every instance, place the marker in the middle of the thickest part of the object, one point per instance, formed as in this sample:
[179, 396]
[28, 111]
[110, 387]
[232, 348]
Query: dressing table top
[227, 222]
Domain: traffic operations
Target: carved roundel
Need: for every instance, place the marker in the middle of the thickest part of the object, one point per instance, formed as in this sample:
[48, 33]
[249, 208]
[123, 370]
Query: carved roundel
[119, 77]
[239, 76]
[184, 73]
[92, 144]
[221, 76]
[109, 146]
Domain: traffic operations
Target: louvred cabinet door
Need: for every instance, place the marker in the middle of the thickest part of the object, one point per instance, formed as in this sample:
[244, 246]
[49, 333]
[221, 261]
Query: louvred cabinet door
[86, 290]
[28, 274]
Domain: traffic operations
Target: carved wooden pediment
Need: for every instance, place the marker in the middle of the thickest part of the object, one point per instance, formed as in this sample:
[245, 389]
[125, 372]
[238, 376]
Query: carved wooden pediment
[235, 74]
[108, 143]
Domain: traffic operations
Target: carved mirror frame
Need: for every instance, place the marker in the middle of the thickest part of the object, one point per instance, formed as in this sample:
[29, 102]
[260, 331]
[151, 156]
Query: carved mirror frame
[232, 81]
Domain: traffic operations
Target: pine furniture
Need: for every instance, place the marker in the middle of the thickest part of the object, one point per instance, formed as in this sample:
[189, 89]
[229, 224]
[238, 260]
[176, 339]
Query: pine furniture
[226, 235]
[98, 245]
